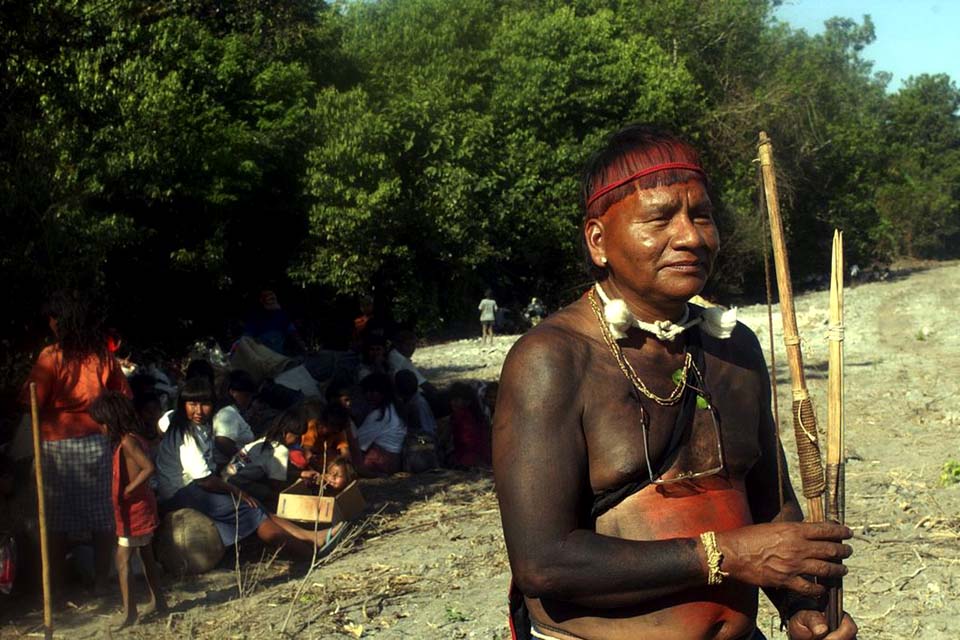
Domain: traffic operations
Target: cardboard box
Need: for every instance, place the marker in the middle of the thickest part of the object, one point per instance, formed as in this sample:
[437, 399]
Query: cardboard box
[300, 502]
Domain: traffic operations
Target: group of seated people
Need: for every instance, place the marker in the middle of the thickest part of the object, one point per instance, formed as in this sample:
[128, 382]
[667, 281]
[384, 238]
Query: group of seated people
[232, 434]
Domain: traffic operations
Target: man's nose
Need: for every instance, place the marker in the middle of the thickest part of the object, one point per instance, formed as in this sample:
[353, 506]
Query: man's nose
[686, 233]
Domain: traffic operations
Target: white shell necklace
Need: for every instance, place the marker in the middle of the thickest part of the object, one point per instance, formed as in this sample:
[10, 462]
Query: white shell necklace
[714, 321]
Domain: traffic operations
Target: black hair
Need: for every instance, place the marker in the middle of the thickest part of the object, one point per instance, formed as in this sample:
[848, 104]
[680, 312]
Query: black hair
[140, 401]
[290, 421]
[240, 380]
[80, 331]
[312, 408]
[626, 151]
[334, 415]
[200, 368]
[379, 383]
[141, 383]
[344, 463]
[336, 389]
[116, 411]
[194, 390]
[406, 383]
[467, 393]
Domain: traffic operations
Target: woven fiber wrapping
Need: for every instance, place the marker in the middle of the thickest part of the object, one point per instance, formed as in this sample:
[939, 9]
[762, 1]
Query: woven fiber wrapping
[808, 449]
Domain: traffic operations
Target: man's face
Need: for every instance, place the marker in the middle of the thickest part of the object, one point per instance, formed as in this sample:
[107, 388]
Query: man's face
[660, 243]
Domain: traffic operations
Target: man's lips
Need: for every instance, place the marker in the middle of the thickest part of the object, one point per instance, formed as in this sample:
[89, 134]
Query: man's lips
[685, 265]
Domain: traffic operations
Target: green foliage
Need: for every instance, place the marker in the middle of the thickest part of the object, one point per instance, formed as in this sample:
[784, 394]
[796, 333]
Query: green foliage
[950, 474]
[426, 149]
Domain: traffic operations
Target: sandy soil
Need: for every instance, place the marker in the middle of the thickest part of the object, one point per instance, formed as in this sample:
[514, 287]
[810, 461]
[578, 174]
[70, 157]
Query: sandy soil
[428, 561]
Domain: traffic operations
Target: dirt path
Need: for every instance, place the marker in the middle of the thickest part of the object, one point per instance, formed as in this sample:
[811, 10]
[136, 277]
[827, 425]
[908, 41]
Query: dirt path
[430, 564]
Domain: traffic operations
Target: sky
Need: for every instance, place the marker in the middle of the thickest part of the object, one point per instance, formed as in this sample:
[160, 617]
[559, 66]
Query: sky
[913, 37]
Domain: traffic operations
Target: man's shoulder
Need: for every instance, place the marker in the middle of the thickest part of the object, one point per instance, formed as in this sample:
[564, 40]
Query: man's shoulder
[742, 347]
[561, 341]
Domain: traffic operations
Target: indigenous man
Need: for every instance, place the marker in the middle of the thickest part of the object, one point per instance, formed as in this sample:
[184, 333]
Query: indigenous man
[634, 449]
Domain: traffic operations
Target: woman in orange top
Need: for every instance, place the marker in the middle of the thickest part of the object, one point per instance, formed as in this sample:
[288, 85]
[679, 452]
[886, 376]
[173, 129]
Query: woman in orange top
[70, 374]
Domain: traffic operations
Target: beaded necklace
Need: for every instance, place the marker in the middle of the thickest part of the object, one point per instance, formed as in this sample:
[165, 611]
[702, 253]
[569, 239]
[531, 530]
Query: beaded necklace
[627, 368]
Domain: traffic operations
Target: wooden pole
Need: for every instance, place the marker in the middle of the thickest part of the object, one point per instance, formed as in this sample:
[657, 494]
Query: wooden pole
[835, 443]
[41, 515]
[804, 418]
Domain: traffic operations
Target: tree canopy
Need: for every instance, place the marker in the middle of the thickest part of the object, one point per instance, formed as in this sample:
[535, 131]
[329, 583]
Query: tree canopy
[423, 150]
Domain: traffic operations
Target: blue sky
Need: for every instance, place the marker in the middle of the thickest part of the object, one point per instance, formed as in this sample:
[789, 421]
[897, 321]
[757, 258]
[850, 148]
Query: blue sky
[912, 37]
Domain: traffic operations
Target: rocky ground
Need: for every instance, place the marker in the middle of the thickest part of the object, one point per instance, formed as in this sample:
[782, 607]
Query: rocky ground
[428, 561]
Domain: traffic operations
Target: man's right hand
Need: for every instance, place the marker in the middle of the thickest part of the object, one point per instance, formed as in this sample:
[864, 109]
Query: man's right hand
[778, 555]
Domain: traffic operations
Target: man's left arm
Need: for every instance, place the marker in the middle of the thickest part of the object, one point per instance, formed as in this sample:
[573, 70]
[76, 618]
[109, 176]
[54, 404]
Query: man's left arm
[767, 484]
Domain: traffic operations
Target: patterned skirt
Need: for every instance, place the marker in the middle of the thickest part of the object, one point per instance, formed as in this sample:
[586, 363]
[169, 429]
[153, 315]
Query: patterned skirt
[76, 479]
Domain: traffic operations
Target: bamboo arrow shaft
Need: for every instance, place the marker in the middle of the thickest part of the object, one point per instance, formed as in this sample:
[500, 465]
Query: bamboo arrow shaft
[805, 428]
[835, 418]
[781, 259]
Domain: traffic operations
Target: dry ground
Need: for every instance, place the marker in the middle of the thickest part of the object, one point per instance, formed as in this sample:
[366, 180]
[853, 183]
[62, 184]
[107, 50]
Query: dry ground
[429, 561]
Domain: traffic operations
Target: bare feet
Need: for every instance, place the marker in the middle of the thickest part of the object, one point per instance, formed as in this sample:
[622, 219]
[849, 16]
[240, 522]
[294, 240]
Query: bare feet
[123, 620]
[155, 606]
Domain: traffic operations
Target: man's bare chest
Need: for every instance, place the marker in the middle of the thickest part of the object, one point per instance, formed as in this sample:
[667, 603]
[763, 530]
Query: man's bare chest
[631, 437]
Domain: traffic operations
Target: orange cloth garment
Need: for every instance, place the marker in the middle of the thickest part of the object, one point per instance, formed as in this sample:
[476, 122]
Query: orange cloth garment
[65, 390]
[336, 444]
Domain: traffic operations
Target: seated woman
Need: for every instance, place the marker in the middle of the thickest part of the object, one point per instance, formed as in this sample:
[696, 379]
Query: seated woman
[382, 432]
[262, 468]
[186, 480]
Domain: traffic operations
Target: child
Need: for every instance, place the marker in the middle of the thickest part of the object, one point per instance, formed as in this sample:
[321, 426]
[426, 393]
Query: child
[414, 409]
[135, 506]
[231, 432]
[149, 409]
[330, 432]
[262, 468]
[488, 315]
[338, 476]
[383, 431]
[471, 437]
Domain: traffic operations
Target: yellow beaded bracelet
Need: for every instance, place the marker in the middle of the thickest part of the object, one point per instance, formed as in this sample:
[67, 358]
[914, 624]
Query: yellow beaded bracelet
[714, 558]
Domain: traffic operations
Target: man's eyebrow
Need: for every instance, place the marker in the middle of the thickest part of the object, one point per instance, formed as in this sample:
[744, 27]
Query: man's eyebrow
[666, 205]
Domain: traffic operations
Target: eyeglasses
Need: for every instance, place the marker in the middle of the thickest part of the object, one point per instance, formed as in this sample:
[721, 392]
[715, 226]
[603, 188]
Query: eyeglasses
[685, 476]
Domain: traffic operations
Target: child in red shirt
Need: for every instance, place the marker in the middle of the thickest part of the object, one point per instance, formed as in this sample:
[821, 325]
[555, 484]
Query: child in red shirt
[135, 506]
[468, 428]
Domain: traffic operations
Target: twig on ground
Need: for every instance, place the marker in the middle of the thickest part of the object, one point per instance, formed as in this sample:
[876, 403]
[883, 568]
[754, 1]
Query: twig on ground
[313, 558]
[236, 544]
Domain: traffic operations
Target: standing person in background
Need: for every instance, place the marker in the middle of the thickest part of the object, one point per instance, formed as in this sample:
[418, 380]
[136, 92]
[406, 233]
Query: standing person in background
[488, 315]
[70, 374]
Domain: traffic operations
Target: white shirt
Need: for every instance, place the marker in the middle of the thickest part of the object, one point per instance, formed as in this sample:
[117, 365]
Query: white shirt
[164, 422]
[488, 310]
[422, 414]
[228, 423]
[182, 458]
[255, 462]
[398, 361]
[387, 432]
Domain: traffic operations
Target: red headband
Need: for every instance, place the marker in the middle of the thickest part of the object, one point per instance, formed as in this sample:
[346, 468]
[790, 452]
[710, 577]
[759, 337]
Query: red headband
[665, 166]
